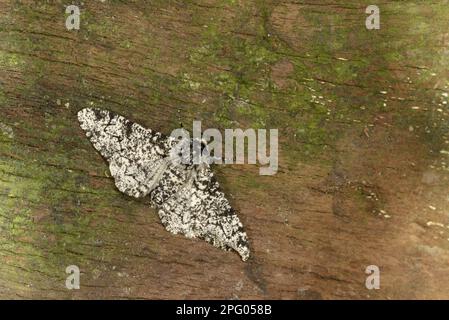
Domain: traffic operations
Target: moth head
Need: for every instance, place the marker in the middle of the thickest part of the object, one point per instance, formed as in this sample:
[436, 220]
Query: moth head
[191, 152]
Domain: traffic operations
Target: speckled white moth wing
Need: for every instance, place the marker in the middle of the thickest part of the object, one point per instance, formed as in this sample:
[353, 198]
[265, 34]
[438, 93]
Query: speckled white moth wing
[136, 156]
[196, 208]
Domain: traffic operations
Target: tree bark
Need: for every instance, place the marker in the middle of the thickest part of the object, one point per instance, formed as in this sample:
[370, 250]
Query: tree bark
[362, 116]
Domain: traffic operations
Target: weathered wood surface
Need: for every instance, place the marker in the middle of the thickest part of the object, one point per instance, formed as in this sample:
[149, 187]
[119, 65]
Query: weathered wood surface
[362, 121]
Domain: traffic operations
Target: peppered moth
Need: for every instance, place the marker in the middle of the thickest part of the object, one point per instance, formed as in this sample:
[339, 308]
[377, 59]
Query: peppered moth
[144, 162]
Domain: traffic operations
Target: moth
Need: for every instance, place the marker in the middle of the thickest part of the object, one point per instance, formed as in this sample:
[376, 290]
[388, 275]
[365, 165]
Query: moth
[186, 195]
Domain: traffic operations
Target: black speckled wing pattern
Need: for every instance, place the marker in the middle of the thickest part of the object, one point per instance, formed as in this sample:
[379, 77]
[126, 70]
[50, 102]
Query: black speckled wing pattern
[187, 196]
